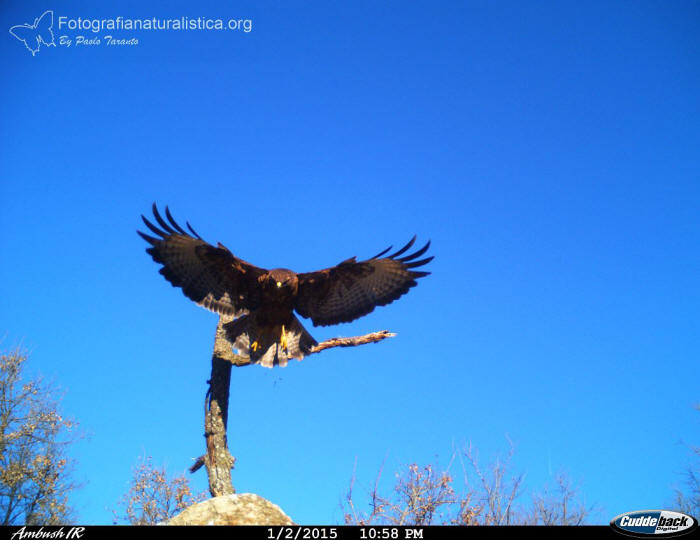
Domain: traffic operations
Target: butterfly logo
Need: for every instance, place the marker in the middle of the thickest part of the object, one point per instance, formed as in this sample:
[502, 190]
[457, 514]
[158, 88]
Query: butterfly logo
[34, 35]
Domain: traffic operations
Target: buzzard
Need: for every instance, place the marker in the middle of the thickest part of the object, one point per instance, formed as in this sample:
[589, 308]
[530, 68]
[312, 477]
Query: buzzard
[264, 301]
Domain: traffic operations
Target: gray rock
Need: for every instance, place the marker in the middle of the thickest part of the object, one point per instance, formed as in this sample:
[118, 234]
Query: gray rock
[237, 509]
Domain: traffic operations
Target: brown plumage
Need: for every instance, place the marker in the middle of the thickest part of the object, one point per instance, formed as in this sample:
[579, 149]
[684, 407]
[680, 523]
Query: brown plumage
[264, 301]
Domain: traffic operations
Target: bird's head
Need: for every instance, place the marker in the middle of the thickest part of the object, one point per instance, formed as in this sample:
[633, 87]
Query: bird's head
[281, 278]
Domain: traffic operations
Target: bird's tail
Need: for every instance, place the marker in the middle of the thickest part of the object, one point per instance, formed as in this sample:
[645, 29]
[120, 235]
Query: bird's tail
[265, 345]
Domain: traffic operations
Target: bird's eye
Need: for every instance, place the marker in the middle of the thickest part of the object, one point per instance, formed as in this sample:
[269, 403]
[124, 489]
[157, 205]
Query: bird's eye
[279, 284]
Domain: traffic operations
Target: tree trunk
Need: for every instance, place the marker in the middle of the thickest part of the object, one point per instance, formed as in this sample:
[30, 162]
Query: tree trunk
[218, 459]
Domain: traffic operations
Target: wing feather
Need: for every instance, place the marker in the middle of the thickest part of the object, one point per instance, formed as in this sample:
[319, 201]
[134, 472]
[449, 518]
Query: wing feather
[403, 249]
[173, 222]
[353, 289]
[210, 276]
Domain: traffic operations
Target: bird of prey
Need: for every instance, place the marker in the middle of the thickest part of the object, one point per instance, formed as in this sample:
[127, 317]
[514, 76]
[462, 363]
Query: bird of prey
[264, 301]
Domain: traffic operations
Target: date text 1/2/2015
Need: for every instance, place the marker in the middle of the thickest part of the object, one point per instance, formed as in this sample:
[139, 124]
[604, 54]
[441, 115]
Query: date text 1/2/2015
[343, 533]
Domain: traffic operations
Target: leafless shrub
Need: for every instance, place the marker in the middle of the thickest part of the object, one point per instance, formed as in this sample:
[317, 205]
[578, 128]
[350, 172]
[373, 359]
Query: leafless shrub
[153, 497]
[497, 491]
[688, 499]
[422, 495]
[558, 506]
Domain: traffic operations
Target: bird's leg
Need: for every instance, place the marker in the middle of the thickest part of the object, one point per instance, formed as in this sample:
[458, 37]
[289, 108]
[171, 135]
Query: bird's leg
[254, 346]
[283, 339]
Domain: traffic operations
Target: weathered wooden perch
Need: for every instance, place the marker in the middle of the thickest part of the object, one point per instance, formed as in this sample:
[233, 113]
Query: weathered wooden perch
[223, 348]
[373, 337]
[218, 460]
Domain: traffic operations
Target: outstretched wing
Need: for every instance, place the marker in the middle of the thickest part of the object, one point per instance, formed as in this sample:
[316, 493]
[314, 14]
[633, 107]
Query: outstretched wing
[353, 289]
[211, 276]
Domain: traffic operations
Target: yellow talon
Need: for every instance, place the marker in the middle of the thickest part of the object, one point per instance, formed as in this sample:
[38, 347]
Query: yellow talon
[283, 339]
[254, 347]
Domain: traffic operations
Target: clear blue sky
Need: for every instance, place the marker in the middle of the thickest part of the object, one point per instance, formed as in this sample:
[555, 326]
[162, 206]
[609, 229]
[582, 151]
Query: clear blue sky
[550, 151]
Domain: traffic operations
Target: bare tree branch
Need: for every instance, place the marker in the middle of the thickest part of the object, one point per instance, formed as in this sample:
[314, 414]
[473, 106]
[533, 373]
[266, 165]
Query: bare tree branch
[372, 337]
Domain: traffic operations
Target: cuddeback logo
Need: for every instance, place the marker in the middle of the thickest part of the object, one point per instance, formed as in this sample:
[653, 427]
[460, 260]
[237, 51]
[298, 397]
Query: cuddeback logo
[663, 523]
